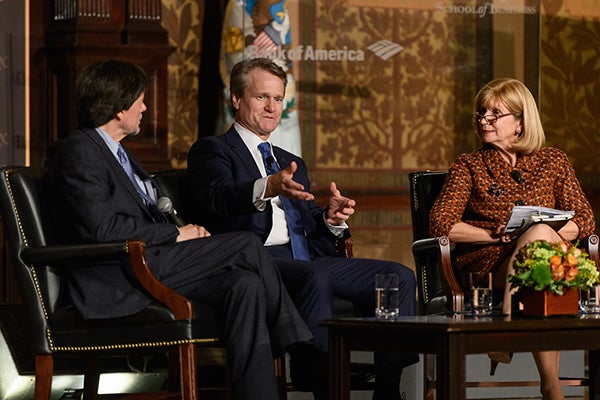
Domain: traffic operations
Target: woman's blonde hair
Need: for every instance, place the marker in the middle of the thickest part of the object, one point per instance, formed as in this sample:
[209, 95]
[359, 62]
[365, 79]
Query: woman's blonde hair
[520, 102]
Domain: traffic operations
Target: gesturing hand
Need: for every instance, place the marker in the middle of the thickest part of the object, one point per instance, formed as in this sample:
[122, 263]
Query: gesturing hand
[282, 183]
[340, 207]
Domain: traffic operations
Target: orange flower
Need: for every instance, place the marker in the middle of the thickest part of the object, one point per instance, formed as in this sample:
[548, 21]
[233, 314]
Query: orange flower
[572, 260]
[555, 260]
[558, 272]
[571, 273]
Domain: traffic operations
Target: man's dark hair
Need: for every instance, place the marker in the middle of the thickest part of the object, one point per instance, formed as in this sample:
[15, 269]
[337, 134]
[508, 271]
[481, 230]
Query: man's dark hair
[106, 88]
[239, 74]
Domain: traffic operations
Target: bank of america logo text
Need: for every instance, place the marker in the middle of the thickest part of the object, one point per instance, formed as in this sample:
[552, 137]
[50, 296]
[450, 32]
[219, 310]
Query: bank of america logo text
[385, 49]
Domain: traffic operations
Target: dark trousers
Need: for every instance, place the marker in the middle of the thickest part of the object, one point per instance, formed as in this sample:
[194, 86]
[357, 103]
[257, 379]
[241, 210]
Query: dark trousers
[233, 273]
[313, 284]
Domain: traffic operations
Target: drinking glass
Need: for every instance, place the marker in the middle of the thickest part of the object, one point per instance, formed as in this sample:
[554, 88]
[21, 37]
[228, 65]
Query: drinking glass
[386, 296]
[589, 300]
[480, 285]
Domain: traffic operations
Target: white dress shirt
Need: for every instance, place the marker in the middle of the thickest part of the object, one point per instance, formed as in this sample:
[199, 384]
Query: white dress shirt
[279, 233]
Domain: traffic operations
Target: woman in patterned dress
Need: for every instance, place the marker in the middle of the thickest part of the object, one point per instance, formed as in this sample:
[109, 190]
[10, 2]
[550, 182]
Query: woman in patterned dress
[512, 167]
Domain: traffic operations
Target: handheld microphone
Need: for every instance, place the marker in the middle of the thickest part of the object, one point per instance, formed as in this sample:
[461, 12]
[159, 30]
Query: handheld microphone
[516, 175]
[165, 206]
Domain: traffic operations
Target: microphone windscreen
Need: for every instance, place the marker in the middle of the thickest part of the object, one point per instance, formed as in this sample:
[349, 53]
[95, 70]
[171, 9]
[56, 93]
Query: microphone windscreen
[164, 205]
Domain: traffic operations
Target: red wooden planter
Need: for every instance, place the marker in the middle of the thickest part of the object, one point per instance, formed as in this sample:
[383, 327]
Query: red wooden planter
[545, 303]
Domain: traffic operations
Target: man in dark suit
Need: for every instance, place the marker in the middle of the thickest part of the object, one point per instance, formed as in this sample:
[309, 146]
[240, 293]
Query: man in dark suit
[242, 182]
[101, 194]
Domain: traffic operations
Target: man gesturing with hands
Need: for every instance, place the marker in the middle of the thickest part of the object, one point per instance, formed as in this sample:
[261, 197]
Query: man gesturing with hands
[242, 182]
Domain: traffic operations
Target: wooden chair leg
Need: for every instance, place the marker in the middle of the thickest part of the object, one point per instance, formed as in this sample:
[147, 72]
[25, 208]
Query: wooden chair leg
[281, 376]
[187, 371]
[44, 369]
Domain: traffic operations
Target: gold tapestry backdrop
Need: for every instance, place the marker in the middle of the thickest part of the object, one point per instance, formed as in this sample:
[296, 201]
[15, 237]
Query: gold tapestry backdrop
[386, 87]
[183, 21]
[570, 86]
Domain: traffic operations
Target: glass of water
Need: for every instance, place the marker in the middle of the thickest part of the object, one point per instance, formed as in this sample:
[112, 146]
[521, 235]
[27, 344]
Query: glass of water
[386, 296]
[480, 286]
[589, 300]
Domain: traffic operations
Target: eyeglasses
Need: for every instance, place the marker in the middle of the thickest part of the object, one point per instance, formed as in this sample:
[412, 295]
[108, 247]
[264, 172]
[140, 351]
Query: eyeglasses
[490, 119]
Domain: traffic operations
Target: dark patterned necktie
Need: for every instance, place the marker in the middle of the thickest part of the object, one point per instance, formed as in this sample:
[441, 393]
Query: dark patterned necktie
[292, 215]
[126, 164]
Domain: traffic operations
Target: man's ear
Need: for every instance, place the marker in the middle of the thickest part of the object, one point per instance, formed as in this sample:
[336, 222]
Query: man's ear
[235, 102]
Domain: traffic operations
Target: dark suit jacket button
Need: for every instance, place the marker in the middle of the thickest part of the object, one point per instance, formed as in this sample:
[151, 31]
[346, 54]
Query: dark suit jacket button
[156, 252]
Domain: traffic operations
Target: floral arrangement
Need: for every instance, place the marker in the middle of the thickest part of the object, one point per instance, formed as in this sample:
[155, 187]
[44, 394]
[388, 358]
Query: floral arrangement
[555, 266]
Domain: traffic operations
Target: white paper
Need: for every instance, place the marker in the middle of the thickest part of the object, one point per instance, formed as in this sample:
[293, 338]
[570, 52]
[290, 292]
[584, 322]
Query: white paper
[523, 216]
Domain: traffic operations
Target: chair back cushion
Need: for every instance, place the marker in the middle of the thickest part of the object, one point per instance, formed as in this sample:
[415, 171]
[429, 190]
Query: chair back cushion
[425, 186]
[27, 224]
[174, 185]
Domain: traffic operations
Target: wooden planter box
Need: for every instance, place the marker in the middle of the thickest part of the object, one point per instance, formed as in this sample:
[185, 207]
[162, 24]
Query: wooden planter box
[545, 303]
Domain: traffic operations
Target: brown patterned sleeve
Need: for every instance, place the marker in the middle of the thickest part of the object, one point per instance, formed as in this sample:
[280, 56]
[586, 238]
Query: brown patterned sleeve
[570, 196]
[450, 205]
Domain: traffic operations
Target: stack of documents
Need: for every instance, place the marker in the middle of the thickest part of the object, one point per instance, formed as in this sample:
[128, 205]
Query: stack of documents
[522, 217]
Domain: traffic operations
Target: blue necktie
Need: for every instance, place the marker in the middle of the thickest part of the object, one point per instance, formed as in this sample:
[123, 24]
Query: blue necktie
[126, 164]
[292, 215]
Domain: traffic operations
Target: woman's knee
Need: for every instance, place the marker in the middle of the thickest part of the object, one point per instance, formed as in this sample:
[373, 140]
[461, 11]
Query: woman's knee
[539, 232]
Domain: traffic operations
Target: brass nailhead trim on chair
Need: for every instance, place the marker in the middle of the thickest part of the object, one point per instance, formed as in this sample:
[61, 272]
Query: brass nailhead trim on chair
[14, 207]
[130, 345]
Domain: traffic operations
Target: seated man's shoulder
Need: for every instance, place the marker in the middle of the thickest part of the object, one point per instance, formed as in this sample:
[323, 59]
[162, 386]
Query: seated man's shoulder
[207, 142]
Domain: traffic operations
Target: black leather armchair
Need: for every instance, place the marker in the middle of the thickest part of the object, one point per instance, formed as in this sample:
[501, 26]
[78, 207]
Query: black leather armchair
[170, 324]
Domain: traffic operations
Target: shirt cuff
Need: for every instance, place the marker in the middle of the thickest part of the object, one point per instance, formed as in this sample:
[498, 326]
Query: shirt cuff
[258, 194]
[337, 230]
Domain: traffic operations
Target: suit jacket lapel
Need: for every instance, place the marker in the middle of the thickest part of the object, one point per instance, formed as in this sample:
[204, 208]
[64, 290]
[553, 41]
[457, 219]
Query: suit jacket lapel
[239, 148]
[281, 157]
[116, 168]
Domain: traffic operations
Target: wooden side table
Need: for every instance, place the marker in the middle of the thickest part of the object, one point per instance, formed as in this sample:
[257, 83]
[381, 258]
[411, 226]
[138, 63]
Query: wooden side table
[451, 338]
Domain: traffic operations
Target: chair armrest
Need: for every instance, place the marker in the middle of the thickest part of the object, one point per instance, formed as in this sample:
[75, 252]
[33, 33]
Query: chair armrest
[344, 247]
[591, 244]
[178, 304]
[442, 247]
[181, 306]
[64, 253]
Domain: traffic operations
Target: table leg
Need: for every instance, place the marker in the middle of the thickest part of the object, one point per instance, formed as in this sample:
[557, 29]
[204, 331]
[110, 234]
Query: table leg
[594, 374]
[450, 368]
[339, 368]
